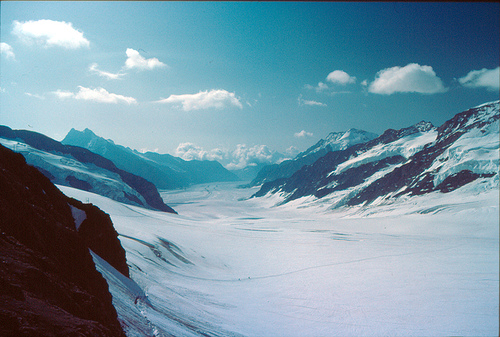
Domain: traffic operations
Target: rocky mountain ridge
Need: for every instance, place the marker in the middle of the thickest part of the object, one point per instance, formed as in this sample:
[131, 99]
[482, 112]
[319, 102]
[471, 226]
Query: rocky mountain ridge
[411, 161]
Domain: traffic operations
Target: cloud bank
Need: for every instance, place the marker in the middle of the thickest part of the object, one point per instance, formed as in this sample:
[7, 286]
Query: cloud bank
[410, 78]
[239, 158]
[50, 34]
[99, 95]
[218, 99]
[6, 49]
[484, 78]
[137, 61]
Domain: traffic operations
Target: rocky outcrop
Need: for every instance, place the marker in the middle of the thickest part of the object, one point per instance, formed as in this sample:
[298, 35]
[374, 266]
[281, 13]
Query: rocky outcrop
[49, 285]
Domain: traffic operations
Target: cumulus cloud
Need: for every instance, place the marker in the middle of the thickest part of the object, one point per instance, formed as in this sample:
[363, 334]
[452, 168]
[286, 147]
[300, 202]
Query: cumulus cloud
[410, 78]
[137, 61]
[109, 76]
[340, 77]
[6, 49]
[204, 100]
[484, 78]
[50, 33]
[302, 101]
[238, 158]
[99, 95]
[303, 134]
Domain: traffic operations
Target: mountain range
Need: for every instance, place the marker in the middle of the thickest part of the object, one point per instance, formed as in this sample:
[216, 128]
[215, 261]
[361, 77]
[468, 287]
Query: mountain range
[411, 161]
[333, 142]
[163, 170]
[80, 168]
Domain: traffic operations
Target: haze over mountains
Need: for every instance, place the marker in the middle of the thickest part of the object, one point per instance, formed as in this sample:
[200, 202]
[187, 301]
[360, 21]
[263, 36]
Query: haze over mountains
[163, 170]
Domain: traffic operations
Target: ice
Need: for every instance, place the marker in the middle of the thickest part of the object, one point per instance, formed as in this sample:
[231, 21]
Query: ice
[79, 216]
[228, 265]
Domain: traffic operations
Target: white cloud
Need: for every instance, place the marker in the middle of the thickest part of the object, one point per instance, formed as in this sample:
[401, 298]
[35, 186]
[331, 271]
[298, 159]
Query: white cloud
[340, 77]
[109, 76]
[34, 95]
[100, 95]
[303, 134]
[204, 100]
[137, 61]
[364, 83]
[319, 88]
[302, 101]
[6, 49]
[484, 78]
[410, 78]
[50, 33]
[63, 94]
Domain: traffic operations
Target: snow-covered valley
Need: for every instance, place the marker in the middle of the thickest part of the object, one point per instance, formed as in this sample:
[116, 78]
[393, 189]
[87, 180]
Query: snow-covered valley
[228, 265]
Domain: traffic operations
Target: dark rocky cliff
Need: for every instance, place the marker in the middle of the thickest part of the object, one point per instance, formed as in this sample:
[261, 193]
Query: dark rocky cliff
[49, 285]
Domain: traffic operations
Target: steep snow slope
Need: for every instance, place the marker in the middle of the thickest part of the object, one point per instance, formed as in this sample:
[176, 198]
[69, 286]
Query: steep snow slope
[228, 265]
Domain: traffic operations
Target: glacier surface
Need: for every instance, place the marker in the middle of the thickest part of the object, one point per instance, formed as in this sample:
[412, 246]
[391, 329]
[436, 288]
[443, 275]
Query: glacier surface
[232, 266]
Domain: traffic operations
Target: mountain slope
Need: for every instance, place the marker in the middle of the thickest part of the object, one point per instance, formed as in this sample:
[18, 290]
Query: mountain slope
[77, 167]
[163, 170]
[49, 285]
[411, 161]
[335, 141]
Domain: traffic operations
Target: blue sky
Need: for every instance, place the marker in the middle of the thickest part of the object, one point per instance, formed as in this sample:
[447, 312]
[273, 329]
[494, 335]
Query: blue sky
[241, 79]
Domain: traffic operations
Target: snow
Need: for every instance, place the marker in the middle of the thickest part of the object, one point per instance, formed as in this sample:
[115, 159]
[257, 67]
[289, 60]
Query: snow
[79, 216]
[476, 151]
[405, 147]
[103, 182]
[228, 265]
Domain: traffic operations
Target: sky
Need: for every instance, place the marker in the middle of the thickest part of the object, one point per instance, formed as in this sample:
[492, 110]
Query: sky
[241, 82]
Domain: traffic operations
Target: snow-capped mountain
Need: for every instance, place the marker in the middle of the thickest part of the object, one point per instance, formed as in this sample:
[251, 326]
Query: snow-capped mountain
[77, 167]
[163, 170]
[335, 141]
[411, 161]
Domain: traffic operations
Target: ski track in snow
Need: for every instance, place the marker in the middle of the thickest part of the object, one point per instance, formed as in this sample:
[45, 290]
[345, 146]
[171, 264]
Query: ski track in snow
[232, 266]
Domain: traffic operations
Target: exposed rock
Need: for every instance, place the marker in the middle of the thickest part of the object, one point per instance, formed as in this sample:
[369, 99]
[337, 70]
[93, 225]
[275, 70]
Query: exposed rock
[49, 285]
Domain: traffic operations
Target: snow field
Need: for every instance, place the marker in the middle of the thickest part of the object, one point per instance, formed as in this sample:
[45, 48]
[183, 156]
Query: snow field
[424, 266]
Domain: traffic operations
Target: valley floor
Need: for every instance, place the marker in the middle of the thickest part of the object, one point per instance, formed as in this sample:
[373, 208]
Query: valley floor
[228, 265]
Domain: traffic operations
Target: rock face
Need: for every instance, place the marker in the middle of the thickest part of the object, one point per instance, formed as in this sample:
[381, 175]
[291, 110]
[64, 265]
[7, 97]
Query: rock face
[335, 141]
[49, 285]
[164, 170]
[80, 168]
[412, 161]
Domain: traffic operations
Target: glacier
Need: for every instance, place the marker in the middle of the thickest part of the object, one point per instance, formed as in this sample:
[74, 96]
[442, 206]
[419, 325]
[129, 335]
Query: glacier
[231, 265]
